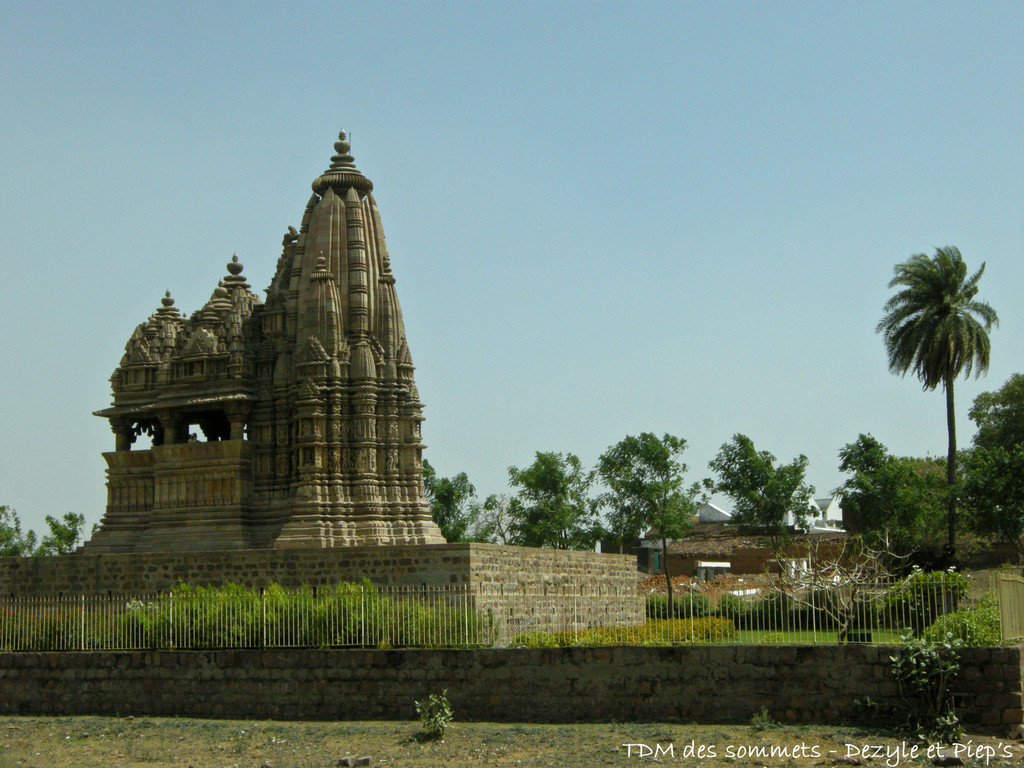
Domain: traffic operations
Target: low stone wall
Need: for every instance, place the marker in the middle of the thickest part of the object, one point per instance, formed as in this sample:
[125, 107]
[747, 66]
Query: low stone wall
[525, 587]
[689, 684]
[464, 563]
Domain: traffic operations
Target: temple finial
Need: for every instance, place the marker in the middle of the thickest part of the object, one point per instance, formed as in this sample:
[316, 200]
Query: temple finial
[342, 161]
[320, 271]
[342, 173]
[167, 308]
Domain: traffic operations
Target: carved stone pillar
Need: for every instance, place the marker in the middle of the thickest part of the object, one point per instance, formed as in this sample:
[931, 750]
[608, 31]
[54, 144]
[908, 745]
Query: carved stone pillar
[238, 415]
[122, 429]
[171, 423]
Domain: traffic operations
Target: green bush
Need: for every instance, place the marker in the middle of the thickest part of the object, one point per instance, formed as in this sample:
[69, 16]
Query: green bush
[978, 625]
[684, 606]
[919, 600]
[536, 639]
[234, 616]
[706, 629]
[732, 606]
[435, 716]
[925, 671]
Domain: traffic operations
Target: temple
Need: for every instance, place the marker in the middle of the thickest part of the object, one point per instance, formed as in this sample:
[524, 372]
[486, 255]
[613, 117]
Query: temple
[293, 422]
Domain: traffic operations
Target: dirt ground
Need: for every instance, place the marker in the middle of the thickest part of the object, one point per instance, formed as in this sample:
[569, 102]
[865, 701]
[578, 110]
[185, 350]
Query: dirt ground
[179, 743]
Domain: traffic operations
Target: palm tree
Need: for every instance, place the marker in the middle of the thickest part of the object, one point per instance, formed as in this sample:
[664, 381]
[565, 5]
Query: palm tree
[935, 328]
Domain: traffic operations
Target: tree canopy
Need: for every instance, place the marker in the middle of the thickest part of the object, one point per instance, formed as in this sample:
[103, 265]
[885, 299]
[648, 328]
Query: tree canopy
[999, 415]
[763, 493]
[451, 502]
[993, 470]
[493, 520]
[14, 542]
[891, 500]
[551, 506]
[993, 489]
[934, 327]
[644, 476]
[65, 534]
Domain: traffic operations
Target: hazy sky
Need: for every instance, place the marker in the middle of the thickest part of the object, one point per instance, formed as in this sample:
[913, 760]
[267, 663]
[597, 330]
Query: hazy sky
[604, 218]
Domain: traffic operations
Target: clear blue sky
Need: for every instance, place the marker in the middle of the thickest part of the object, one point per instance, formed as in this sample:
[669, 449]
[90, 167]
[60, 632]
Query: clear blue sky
[604, 218]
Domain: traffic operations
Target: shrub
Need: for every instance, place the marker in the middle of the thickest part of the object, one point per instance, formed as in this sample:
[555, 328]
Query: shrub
[971, 626]
[435, 715]
[924, 671]
[536, 639]
[762, 720]
[921, 599]
[733, 606]
[683, 606]
[232, 616]
[773, 611]
[707, 629]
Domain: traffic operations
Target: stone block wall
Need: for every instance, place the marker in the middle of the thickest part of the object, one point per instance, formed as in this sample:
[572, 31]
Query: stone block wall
[525, 587]
[686, 684]
[464, 563]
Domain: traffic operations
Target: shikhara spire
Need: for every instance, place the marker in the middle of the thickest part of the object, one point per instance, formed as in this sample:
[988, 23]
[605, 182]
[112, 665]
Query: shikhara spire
[289, 423]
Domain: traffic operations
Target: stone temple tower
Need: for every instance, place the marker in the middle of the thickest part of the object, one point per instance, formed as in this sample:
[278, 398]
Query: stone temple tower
[293, 422]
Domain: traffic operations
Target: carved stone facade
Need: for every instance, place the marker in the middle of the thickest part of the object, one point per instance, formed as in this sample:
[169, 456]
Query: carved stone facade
[293, 422]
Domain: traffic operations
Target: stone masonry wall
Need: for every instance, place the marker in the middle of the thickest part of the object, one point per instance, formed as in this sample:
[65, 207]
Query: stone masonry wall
[526, 588]
[464, 563]
[695, 683]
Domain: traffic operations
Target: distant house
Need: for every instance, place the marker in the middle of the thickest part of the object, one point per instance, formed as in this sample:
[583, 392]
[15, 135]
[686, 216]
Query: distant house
[711, 513]
[710, 549]
[824, 515]
[714, 545]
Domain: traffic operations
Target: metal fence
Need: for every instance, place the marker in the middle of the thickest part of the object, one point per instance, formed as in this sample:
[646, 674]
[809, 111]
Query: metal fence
[1011, 607]
[191, 618]
[370, 616]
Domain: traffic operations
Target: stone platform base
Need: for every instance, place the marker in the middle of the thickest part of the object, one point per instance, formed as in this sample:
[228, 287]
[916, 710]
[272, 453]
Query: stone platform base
[525, 589]
[454, 564]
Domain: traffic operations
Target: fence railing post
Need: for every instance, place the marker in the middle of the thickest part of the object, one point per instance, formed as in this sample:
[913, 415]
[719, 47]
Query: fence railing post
[81, 622]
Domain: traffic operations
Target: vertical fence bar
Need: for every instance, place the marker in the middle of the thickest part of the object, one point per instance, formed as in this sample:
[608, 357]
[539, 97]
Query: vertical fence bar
[460, 615]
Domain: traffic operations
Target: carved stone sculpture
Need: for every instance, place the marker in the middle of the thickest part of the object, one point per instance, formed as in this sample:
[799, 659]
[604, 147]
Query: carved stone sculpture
[257, 411]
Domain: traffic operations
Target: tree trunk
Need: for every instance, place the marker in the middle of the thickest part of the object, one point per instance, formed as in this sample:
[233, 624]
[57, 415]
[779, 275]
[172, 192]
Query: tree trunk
[668, 578]
[845, 624]
[951, 469]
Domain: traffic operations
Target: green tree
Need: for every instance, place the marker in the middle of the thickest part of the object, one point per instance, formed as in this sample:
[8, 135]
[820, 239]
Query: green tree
[644, 476]
[492, 520]
[763, 493]
[993, 470]
[999, 415]
[934, 327]
[551, 506]
[451, 502]
[14, 543]
[65, 535]
[993, 490]
[891, 500]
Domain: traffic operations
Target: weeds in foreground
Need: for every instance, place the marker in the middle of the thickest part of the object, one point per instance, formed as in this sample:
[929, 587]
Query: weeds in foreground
[435, 716]
[924, 671]
[763, 720]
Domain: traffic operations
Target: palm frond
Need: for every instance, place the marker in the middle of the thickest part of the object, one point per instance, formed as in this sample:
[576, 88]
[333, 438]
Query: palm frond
[933, 327]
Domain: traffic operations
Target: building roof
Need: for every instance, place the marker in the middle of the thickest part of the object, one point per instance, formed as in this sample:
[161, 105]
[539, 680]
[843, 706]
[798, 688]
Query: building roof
[718, 540]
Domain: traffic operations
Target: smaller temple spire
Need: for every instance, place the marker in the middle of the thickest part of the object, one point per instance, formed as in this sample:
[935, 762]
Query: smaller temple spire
[234, 276]
[167, 307]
